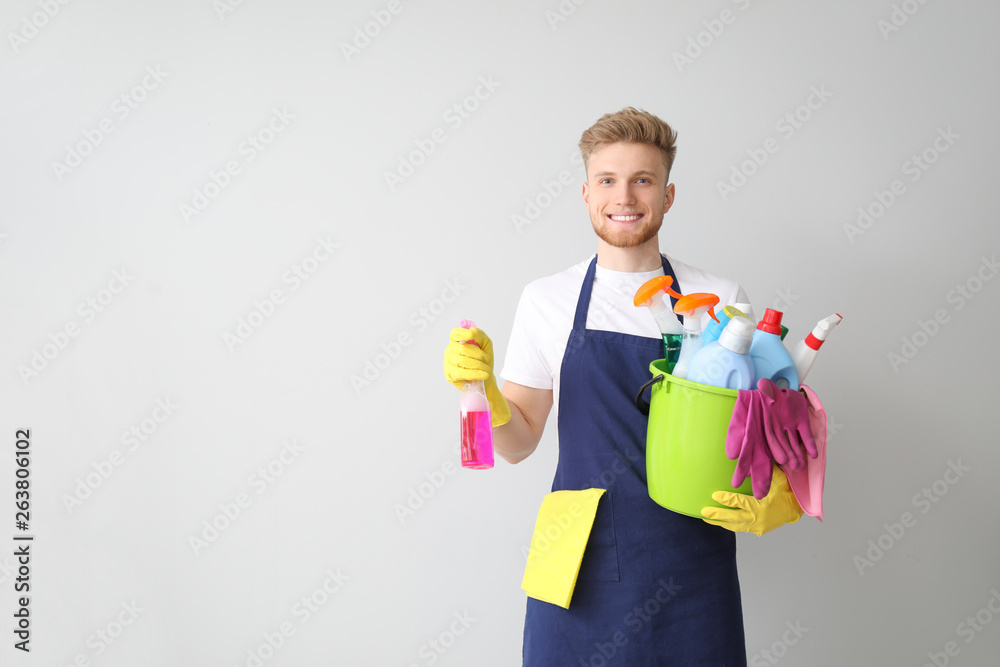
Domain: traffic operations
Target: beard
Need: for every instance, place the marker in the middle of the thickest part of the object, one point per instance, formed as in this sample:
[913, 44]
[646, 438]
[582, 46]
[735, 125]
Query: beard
[626, 238]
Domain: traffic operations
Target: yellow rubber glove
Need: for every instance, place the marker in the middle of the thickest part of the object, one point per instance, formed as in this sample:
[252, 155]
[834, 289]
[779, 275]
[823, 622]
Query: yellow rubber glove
[464, 362]
[775, 509]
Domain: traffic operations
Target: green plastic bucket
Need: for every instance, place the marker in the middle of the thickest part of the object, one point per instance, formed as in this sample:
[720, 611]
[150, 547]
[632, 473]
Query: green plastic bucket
[686, 442]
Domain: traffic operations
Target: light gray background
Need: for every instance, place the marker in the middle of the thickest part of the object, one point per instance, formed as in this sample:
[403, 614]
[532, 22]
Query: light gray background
[334, 508]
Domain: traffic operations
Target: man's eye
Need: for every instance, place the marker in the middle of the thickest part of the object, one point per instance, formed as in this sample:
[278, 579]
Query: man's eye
[644, 179]
[605, 180]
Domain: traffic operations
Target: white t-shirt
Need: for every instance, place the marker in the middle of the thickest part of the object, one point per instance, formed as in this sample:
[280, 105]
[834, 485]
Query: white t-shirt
[544, 316]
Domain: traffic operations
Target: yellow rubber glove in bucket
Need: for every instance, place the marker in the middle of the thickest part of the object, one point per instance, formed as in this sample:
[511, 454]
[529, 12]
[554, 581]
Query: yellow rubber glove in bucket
[557, 545]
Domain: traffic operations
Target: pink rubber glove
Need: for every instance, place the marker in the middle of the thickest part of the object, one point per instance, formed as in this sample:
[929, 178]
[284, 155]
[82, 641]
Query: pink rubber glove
[747, 443]
[807, 485]
[786, 424]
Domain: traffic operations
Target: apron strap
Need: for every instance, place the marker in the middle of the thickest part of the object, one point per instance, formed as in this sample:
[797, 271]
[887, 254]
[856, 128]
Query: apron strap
[583, 303]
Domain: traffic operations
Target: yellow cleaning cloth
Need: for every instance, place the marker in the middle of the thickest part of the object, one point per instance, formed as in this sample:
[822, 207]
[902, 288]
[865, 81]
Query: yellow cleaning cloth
[561, 533]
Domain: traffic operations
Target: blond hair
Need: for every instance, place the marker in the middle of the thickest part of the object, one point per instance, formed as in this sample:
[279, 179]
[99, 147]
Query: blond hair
[630, 125]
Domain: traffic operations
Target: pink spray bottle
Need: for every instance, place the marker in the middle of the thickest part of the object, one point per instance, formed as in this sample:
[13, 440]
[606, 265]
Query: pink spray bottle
[477, 422]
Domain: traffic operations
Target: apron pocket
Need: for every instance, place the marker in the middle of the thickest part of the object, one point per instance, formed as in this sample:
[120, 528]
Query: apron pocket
[600, 560]
[558, 544]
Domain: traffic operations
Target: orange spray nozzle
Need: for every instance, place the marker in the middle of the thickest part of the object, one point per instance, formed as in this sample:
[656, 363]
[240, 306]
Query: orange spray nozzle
[651, 287]
[696, 304]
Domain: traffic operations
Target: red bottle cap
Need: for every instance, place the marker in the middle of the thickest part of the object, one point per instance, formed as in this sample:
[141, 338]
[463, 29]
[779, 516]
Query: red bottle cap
[771, 322]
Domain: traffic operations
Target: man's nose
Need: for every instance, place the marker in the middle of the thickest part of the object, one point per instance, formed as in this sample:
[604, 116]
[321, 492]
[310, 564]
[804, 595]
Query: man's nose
[624, 194]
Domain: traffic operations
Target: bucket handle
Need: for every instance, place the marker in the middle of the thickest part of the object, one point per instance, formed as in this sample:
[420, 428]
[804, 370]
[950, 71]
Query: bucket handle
[640, 402]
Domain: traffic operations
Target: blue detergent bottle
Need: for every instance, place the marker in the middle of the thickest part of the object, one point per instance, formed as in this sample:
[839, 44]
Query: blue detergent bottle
[770, 358]
[714, 328]
[726, 362]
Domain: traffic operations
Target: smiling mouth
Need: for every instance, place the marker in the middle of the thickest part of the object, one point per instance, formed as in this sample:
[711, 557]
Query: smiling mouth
[625, 217]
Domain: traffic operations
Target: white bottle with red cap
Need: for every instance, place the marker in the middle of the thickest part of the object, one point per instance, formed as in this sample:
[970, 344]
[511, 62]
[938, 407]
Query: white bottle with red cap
[804, 352]
[770, 358]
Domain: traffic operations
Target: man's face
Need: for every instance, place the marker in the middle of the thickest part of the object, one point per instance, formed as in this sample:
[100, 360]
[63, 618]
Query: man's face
[626, 193]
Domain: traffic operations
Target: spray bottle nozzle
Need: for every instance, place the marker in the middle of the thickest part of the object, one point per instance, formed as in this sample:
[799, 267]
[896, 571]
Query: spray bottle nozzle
[468, 324]
[650, 295]
[652, 287]
[693, 306]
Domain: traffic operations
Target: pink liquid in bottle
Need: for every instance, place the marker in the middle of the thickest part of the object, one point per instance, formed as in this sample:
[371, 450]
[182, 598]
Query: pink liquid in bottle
[476, 422]
[477, 439]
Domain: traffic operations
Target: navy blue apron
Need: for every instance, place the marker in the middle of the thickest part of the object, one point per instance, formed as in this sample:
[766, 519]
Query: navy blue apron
[656, 588]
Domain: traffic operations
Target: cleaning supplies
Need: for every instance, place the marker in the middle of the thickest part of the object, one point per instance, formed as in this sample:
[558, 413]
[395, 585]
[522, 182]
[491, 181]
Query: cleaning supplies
[746, 443]
[476, 422]
[770, 358]
[746, 514]
[468, 363]
[650, 295]
[804, 352]
[726, 363]
[562, 531]
[807, 484]
[786, 425]
[692, 307]
[747, 311]
[713, 329]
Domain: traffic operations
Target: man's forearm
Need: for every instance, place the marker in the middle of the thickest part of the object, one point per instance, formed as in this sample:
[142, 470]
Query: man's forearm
[516, 439]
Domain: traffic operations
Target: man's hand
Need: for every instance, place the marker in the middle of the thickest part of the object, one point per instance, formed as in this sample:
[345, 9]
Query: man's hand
[468, 362]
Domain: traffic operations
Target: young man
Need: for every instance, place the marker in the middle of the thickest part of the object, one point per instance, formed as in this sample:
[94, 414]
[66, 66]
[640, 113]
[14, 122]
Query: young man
[655, 587]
